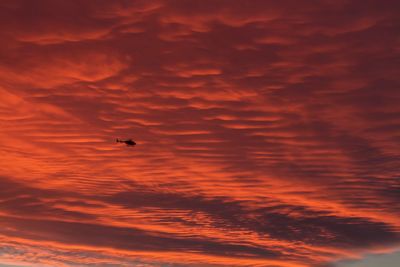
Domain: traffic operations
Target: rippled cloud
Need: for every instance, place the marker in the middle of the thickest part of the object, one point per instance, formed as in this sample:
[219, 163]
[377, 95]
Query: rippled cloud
[267, 132]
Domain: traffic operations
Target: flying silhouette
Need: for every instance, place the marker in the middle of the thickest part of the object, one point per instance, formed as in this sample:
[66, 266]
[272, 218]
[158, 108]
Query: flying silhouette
[128, 142]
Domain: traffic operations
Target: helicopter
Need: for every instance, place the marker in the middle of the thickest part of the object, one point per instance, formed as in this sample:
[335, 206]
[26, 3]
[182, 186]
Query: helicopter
[128, 142]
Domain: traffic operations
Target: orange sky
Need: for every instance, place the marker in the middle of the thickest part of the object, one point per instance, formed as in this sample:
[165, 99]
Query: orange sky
[268, 132]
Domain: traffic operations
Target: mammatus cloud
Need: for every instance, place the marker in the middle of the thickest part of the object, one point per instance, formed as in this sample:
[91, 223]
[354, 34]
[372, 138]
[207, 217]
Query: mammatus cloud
[268, 132]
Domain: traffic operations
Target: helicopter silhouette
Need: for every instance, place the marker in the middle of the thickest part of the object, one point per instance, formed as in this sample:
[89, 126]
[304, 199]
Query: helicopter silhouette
[128, 142]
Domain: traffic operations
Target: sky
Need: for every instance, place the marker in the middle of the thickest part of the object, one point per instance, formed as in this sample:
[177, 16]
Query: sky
[386, 260]
[268, 133]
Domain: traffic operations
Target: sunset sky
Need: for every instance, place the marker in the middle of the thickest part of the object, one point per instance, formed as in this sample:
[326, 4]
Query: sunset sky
[268, 133]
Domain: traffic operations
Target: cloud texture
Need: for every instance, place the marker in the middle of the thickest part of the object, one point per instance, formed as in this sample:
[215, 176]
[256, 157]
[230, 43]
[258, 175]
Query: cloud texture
[268, 132]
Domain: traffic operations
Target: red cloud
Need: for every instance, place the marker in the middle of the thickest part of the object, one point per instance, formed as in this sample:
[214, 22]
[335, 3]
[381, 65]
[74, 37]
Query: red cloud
[267, 132]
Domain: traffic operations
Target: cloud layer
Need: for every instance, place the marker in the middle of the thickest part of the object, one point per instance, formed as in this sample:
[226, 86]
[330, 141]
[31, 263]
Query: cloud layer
[268, 132]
